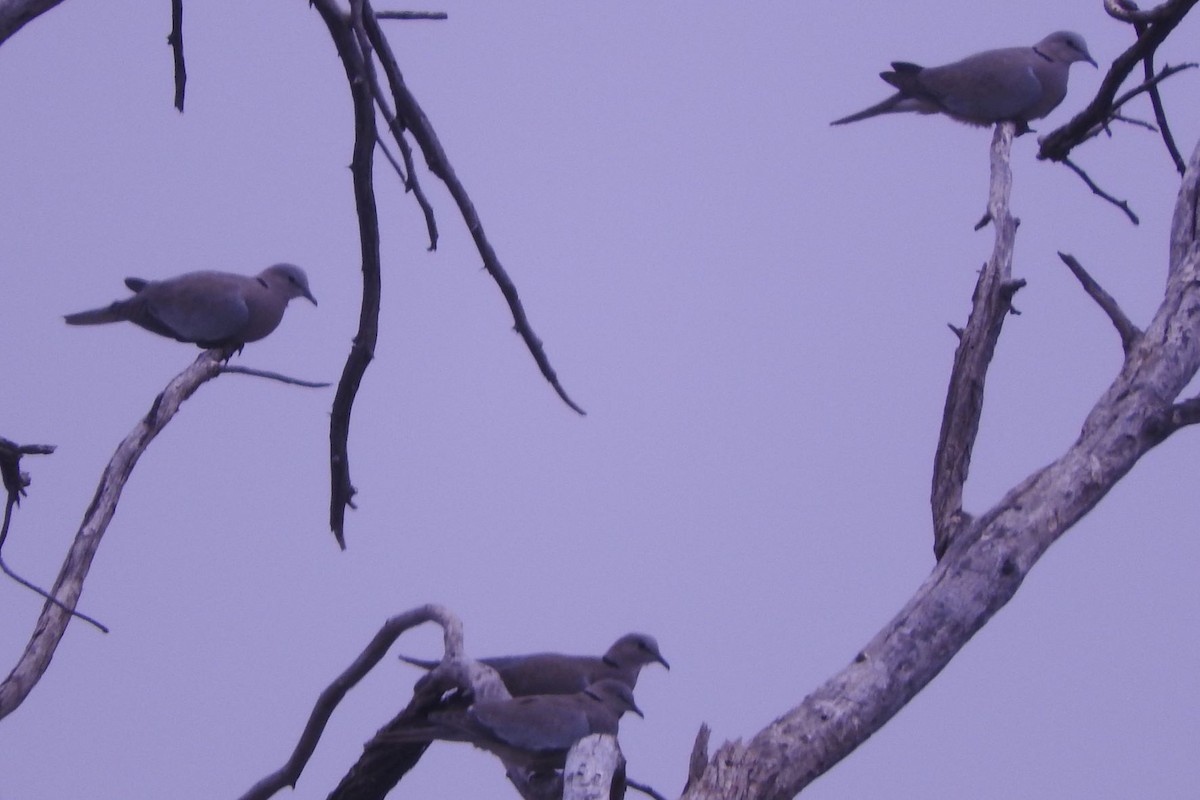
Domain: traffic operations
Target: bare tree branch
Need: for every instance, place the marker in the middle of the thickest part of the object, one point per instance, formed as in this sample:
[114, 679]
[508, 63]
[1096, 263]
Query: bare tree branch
[409, 111]
[991, 303]
[1128, 332]
[175, 40]
[410, 15]
[1096, 190]
[1127, 11]
[1057, 145]
[52, 623]
[362, 351]
[395, 127]
[273, 376]
[645, 789]
[359, 41]
[289, 773]
[14, 14]
[1160, 114]
[15, 483]
[989, 557]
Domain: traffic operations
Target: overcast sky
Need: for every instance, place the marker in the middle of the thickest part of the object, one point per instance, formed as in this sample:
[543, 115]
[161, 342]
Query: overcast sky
[751, 306]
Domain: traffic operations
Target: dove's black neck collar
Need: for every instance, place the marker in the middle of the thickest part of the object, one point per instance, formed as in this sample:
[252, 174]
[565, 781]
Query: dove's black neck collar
[1043, 55]
[610, 662]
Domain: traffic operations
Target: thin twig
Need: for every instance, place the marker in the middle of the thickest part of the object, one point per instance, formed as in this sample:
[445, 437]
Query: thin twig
[175, 40]
[43, 593]
[1129, 333]
[396, 165]
[435, 15]
[644, 788]
[410, 113]
[1152, 81]
[1096, 190]
[274, 376]
[395, 125]
[1137, 123]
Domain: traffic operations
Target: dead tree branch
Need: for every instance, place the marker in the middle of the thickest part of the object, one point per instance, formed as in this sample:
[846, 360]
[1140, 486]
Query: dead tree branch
[289, 773]
[1096, 190]
[991, 303]
[410, 15]
[175, 40]
[273, 376]
[360, 42]
[1127, 11]
[52, 623]
[15, 14]
[1140, 19]
[15, 483]
[1128, 332]
[412, 117]
[989, 557]
[1057, 145]
[362, 351]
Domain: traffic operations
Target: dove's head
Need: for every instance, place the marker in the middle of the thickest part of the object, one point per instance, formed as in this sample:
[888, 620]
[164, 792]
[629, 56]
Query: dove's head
[1065, 46]
[290, 279]
[635, 650]
[615, 695]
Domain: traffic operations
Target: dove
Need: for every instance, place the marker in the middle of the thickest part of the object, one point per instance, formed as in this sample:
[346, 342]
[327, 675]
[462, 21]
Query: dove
[209, 309]
[387, 758]
[533, 732]
[1013, 84]
[554, 673]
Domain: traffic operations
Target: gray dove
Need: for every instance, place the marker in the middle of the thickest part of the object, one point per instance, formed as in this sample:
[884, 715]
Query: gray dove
[387, 758]
[533, 732]
[1013, 84]
[554, 673]
[210, 309]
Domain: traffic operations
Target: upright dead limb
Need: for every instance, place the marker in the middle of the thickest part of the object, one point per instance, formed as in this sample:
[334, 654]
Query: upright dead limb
[991, 303]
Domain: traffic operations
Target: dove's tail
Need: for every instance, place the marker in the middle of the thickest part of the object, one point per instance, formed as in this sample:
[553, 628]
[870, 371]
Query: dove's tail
[98, 316]
[889, 106]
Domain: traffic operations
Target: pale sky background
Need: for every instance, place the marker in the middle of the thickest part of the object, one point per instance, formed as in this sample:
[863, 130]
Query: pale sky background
[751, 305]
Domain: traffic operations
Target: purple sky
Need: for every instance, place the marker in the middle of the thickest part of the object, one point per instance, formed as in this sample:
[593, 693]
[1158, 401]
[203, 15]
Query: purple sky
[751, 305]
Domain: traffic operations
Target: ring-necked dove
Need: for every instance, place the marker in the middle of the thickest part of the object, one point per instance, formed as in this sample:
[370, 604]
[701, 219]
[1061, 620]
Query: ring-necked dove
[534, 732]
[554, 673]
[386, 759]
[1016, 84]
[210, 309]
